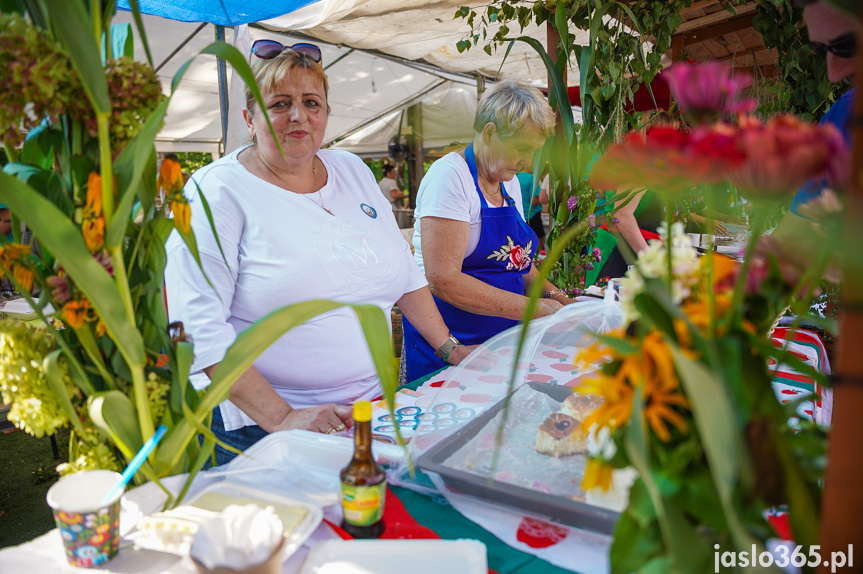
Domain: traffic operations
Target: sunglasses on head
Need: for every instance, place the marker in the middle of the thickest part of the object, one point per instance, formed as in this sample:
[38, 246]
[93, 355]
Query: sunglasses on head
[269, 49]
[844, 46]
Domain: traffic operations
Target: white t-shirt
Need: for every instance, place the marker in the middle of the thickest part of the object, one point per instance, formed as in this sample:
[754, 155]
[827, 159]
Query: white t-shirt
[448, 191]
[283, 248]
[387, 184]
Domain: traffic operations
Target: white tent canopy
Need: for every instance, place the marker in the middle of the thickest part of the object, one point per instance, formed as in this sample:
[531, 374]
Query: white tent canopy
[369, 48]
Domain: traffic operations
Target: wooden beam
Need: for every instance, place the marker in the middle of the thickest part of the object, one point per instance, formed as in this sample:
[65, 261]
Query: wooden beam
[713, 19]
[677, 45]
[728, 27]
[767, 70]
[698, 5]
[745, 54]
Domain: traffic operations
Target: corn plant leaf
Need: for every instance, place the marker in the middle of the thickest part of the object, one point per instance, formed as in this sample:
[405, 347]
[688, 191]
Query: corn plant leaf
[75, 32]
[715, 418]
[62, 238]
[680, 536]
[129, 169]
[558, 87]
[122, 41]
[54, 374]
[114, 413]
[142, 32]
[253, 341]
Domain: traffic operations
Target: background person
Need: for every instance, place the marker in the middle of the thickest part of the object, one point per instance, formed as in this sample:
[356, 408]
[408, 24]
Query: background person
[470, 235]
[390, 188]
[309, 224]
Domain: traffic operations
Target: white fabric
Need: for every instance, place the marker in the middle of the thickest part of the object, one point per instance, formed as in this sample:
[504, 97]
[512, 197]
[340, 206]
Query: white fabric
[238, 132]
[448, 191]
[283, 248]
[387, 184]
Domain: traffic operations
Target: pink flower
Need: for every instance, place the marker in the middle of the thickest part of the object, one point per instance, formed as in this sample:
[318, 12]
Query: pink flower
[597, 254]
[785, 153]
[59, 288]
[708, 90]
[517, 258]
[791, 257]
[668, 158]
[591, 220]
[572, 202]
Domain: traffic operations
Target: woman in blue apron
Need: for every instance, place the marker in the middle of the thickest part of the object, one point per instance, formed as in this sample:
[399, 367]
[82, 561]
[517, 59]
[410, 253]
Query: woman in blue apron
[470, 235]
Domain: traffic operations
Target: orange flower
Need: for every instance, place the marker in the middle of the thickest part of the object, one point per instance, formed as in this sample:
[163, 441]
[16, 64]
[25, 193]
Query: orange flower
[24, 277]
[94, 233]
[12, 252]
[76, 313]
[597, 474]
[170, 177]
[94, 194]
[182, 215]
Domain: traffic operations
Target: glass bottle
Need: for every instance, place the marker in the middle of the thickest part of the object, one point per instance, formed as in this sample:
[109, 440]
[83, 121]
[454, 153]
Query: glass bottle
[364, 483]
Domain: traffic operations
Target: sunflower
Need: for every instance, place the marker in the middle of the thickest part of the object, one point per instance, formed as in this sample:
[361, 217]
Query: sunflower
[93, 229]
[76, 313]
[170, 177]
[597, 474]
[182, 215]
[94, 194]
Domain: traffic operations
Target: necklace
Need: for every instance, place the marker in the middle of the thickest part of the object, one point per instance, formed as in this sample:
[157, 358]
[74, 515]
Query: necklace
[490, 196]
[315, 181]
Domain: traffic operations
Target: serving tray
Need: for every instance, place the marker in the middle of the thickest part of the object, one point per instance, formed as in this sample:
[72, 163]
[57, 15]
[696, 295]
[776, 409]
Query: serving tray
[556, 508]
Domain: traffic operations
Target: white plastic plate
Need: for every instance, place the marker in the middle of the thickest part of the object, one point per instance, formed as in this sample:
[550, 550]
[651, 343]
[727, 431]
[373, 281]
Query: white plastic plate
[397, 557]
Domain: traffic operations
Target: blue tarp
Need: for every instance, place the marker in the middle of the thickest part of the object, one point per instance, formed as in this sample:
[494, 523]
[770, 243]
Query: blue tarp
[221, 12]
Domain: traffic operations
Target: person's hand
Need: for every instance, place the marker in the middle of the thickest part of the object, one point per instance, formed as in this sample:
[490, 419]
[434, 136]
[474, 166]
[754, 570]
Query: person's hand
[719, 228]
[327, 419]
[484, 359]
[562, 298]
[547, 307]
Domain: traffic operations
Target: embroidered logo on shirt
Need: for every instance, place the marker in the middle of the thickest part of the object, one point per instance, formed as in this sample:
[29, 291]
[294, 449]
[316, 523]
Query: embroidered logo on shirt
[516, 256]
[359, 259]
[369, 210]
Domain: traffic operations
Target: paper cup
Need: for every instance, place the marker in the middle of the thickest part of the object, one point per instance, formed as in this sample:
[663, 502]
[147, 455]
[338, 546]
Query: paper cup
[90, 530]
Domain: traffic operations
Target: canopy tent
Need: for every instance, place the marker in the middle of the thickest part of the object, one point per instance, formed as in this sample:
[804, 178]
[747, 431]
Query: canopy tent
[380, 55]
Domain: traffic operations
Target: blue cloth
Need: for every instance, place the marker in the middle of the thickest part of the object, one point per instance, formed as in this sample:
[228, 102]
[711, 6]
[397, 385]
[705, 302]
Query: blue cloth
[221, 12]
[528, 192]
[501, 259]
[837, 115]
[240, 439]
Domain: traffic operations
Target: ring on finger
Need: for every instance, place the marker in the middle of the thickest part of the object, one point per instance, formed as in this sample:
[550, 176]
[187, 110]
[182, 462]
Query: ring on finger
[339, 428]
[330, 431]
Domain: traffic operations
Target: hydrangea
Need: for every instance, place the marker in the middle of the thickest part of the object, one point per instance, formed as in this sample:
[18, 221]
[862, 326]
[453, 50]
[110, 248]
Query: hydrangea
[89, 452]
[23, 383]
[652, 263]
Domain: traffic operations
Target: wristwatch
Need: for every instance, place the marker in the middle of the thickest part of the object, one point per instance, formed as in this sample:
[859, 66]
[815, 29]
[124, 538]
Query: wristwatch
[447, 348]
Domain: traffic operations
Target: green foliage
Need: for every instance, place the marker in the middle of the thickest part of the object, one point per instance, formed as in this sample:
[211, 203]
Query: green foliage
[804, 89]
[192, 161]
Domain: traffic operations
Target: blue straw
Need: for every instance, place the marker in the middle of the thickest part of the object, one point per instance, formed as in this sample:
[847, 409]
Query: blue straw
[136, 463]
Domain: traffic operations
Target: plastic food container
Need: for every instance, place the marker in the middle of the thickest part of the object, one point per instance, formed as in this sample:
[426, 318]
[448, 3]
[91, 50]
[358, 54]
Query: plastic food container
[397, 557]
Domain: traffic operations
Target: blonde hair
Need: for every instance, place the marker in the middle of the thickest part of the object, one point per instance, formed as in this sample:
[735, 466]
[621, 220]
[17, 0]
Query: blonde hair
[268, 74]
[512, 106]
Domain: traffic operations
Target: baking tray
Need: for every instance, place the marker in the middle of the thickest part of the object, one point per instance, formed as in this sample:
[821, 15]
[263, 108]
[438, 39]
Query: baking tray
[556, 508]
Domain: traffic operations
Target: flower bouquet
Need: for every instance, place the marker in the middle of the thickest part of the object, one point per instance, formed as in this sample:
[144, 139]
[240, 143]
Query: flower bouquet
[686, 383]
[104, 360]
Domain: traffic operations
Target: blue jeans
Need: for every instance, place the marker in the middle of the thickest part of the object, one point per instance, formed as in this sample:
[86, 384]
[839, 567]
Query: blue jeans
[240, 439]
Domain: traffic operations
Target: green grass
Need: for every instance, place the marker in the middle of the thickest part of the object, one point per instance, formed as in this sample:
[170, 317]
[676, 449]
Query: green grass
[26, 473]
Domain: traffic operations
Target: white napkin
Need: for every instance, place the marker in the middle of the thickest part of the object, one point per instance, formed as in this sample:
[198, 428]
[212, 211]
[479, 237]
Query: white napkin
[239, 537]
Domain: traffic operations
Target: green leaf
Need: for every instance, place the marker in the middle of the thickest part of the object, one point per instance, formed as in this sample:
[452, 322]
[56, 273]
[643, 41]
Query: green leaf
[75, 32]
[54, 375]
[257, 338]
[142, 32]
[122, 41]
[63, 239]
[114, 413]
[622, 346]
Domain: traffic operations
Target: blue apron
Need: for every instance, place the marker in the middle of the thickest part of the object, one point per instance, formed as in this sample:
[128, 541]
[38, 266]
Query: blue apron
[501, 259]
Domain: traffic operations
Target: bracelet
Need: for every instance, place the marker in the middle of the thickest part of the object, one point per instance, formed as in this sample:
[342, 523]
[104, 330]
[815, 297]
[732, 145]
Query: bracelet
[553, 292]
[445, 350]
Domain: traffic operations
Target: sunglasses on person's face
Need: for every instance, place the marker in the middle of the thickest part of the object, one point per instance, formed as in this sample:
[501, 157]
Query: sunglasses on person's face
[269, 49]
[844, 46]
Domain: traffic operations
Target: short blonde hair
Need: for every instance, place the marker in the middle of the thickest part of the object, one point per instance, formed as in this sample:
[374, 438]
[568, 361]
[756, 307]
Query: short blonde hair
[268, 74]
[512, 106]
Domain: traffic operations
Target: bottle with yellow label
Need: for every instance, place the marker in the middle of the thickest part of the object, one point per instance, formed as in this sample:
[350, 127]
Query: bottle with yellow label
[364, 483]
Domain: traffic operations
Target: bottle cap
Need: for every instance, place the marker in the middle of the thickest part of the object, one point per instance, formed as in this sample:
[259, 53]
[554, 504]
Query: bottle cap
[362, 411]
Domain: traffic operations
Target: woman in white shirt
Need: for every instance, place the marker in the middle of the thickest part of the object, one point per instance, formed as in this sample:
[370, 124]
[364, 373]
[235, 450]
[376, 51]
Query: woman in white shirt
[309, 224]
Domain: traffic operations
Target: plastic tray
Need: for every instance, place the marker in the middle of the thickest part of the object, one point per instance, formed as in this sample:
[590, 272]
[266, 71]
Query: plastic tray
[397, 557]
[556, 508]
[297, 536]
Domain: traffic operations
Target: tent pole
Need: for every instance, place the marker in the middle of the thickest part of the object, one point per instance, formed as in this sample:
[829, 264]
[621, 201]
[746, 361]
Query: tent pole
[180, 47]
[842, 505]
[415, 153]
[223, 88]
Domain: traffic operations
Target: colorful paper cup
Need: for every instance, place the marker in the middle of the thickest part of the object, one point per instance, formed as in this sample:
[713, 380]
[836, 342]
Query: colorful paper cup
[90, 530]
